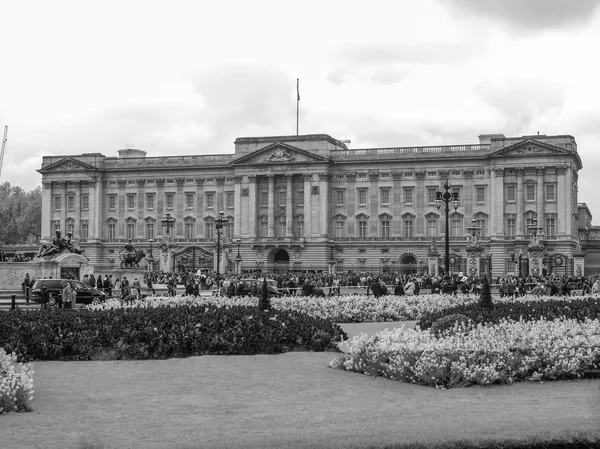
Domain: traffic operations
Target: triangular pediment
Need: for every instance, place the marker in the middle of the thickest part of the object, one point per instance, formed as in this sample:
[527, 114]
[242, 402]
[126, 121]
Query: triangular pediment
[530, 147]
[279, 153]
[67, 164]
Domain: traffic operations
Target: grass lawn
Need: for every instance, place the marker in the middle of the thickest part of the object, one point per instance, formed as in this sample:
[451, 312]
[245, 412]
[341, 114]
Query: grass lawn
[278, 401]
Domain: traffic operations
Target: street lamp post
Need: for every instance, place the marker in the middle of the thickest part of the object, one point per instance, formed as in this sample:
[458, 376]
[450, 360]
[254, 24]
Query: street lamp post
[447, 197]
[238, 258]
[220, 221]
[168, 222]
[534, 230]
[151, 256]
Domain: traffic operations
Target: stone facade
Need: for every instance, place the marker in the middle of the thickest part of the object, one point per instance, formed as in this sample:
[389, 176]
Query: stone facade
[309, 202]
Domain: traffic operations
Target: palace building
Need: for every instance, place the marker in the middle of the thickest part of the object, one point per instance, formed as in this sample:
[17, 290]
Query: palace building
[310, 202]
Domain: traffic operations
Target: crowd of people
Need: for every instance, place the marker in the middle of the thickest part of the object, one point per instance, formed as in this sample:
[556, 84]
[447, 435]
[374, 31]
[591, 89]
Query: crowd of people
[14, 258]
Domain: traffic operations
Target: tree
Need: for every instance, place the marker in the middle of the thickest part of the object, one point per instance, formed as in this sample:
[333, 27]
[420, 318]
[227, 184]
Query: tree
[485, 297]
[264, 303]
[20, 214]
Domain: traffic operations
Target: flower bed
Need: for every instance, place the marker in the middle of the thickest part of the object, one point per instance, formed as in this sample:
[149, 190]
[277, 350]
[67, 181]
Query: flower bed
[162, 332]
[339, 309]
[505, 352]
[16, 384]
[526, 308]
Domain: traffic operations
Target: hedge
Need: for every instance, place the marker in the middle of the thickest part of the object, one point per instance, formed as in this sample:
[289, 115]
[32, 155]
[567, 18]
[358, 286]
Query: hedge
[162, 332]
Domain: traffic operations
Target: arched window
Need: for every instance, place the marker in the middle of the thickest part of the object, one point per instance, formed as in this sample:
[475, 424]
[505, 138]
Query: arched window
[130, 223]
[150, 224]
[432, 224]
[339, 225]
[408, 221]
[385, 222]
[111, 231]
[189, 223]
[362, 225]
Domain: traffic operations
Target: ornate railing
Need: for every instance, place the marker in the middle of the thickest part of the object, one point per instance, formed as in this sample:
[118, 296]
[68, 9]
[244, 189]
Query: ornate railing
[410, 150]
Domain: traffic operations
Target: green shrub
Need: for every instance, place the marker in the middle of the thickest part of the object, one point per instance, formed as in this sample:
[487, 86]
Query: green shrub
[448, 323]
[485, 297]
[161, 332]
[577, 309]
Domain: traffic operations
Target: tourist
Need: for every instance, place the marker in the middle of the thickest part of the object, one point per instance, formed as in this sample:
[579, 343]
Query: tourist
[68, 296]
[44, 297]
[138, 287]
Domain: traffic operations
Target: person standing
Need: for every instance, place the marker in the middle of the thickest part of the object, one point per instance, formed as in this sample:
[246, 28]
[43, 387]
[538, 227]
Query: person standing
[68, 296]
[137, 286]
[26, 287]
[44, 297]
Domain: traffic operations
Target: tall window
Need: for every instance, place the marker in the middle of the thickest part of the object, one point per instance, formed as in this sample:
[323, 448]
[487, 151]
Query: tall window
[481, 223]
[339, 228]
[339, 197]
[362, 197]
[480, 194]
[530, 192]
[170, 200]
[385, 228]
[362, 228]
[550, 226]
[190, 231]
[456, 190]
[408, 228]
[408, 195]
[71, 202]
[550, 192]
[85, 202]
[112, 231]
[431, 195]
[300, 228]
[130, 201]
[130, 230]
[229, 196]
[71, 227]
[456, 227]
[149, 230]
[282, 197]
[385, 196]
[511, 193]
[189, 200]
[112, 202]
[529, 224]
[210, 200]
[57, 203]
[511, 227]
[150, 201]
[210, 230]
[229, 230]
[264, 198]
[431, 228]
[264, 228]
[281, 223]
[56, 226]
[301, 197]
[84, 229]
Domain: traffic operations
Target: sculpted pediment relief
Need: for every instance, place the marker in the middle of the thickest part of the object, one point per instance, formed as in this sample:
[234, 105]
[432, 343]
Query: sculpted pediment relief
[530, 147]
[279, 153]
[67, 164]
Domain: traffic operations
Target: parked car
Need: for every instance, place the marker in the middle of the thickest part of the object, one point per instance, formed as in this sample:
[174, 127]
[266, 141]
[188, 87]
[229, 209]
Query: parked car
[250, 283]
[85, 294]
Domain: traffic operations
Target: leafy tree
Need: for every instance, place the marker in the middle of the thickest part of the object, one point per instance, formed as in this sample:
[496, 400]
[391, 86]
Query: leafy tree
[20, 214]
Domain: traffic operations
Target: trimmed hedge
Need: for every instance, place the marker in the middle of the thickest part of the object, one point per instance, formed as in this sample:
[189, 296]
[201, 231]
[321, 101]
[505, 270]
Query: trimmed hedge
[577, 309]
[162, 332]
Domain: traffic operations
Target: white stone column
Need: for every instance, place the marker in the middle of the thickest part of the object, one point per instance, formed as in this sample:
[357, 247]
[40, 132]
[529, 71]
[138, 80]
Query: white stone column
[77, 212]
[289, 232]
[520, 210]
[540, 201]
[323, 203]
[307, 205]
[237, 211]
[493, 219]
[271, 208]
[252, 218]
[562, 202]
[47, 210]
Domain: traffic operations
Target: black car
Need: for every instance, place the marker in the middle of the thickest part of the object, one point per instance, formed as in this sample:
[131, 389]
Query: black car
[85, 293]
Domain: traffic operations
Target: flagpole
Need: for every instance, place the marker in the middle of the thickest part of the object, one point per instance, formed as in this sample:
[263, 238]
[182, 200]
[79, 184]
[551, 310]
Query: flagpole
[297, 102]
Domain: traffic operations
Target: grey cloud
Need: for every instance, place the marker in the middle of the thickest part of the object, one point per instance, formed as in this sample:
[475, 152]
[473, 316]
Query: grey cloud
[521, 102]
[527, 15]
[383, 76]
[429, 53]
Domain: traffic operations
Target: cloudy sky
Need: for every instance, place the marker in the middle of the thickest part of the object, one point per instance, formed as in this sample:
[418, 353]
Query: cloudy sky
[188, 77]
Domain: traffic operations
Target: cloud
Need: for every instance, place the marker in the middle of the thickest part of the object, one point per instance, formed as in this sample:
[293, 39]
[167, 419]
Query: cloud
[427, 53]
[522, 101]
[383, 77]
[527, 15]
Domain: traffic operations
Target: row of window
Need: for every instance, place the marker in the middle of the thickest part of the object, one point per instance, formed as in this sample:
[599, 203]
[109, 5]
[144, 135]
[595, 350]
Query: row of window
[385, 197]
